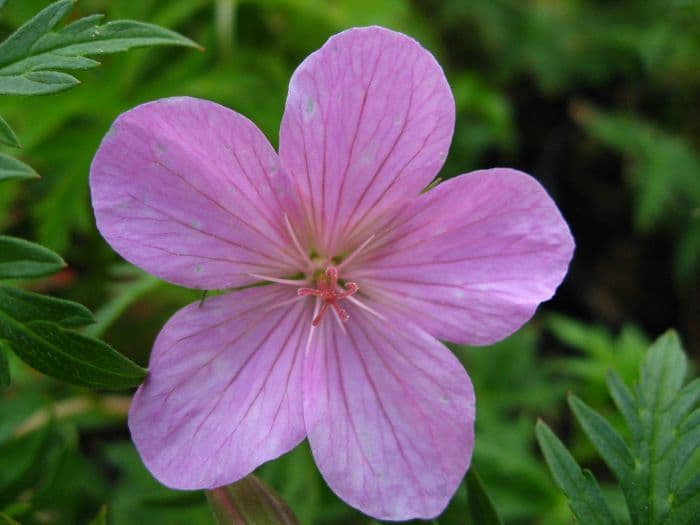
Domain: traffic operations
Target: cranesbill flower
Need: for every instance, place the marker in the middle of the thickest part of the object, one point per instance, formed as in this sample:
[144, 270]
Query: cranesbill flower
[363, 272]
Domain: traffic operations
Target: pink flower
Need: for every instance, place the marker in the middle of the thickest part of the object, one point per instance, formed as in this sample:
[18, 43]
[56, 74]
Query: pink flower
[192, 192]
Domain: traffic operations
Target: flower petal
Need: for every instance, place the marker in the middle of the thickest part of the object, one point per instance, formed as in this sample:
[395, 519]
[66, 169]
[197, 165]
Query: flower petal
[368, 121]
[223, 394]
[471, 259]
[389, 414]
[191, 191]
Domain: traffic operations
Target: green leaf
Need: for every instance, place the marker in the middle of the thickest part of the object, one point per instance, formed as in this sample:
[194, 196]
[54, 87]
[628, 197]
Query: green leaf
[32, 58]
[604, 437]
[481, 508]
[4, 367]
[624, 401]
[662, 372]
[13, 169]
[36, 83]
[686, 506]
[29, 306]
[687, 398]
[19, 42]
[585, 498]
[20, 259]
[249, 501]
[668, 435]
[70, 356]
[610, 446]
[33, 327]
[687, 440]
[7, 135]
[664, 421]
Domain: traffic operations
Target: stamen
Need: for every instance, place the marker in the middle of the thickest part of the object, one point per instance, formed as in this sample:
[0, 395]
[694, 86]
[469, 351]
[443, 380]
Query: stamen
[328, 292]
[295, 240]
[309, 339]
[366, 308]
[341, 324]
[356, 252]
[291, 282]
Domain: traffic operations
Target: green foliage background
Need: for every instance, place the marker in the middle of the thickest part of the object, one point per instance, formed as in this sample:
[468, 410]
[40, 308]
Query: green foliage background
[599, 100]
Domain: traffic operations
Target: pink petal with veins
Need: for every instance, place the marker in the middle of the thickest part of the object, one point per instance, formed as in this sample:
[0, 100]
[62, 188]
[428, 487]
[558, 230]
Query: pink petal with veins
[224, 390]
[389, 413]
[190, 191]
[471, 259]
[368, 122]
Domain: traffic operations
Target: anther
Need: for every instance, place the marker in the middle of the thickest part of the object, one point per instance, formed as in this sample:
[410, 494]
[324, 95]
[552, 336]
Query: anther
[328, 292]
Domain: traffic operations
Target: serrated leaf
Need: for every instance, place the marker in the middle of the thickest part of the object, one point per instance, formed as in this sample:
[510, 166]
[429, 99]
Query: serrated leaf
[7, 135]
[36, 83]
[668, 432]
[686, 399]
[687, 441]
[686, 507]
[20, 259]
[4, 367]
[624, 401]
[684, 435]
[665, 426]
[691, 422]
[111, 37]
[582, 491]
[481, 509]
[662, 373]
[32, 325]
[42, 62]
[32, 57]
[83, 24]
[22, 40]
[13, 169]
[26, 306]
[604, 437]
[249, 501]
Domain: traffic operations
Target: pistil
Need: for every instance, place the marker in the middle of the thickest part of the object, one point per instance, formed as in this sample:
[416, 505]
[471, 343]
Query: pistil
[327, 291]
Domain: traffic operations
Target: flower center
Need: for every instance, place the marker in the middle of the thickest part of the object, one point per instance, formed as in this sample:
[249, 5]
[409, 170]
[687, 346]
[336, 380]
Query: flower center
[327, 291]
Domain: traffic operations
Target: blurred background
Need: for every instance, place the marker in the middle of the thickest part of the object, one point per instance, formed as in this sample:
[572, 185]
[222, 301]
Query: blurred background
[598, 100]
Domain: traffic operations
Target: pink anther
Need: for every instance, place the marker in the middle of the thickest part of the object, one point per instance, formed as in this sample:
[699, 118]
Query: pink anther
[328, 291]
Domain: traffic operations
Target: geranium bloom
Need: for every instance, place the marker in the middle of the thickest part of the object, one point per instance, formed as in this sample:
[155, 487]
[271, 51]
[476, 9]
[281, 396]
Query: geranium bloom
[362, 274]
